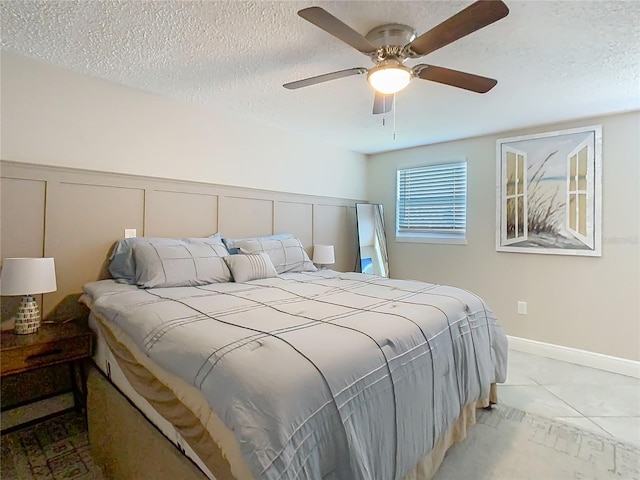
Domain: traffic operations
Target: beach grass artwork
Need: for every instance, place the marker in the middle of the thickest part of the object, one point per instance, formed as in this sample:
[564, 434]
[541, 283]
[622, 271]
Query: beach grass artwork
[548, 192]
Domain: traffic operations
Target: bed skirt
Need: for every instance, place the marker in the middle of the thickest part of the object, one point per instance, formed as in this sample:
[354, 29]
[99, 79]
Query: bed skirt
[129, 447]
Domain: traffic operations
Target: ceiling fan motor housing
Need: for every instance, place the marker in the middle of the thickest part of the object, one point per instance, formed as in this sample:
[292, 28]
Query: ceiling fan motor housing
[390, 39]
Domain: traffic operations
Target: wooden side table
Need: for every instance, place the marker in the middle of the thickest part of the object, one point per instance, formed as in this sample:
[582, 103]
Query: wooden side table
[67, 343]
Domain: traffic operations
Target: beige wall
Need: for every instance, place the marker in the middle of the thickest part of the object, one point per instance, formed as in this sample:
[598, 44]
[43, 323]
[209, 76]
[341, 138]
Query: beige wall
[76, 216]
[582, 302]
[53, 116]
[60, 130]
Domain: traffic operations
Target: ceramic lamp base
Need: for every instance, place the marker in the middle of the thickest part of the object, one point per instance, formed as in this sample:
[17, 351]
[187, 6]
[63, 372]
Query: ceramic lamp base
[28, 316]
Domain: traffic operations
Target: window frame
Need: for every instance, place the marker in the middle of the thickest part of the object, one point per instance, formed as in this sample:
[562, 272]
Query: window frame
[448, 238]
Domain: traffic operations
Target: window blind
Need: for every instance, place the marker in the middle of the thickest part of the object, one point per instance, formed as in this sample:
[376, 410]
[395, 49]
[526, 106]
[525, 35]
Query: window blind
[432, 201]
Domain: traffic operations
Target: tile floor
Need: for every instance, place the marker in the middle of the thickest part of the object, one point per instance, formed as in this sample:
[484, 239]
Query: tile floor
[595, 400]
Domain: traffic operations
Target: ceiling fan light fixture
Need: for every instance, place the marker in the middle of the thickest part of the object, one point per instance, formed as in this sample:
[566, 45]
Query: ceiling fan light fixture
[389, 79]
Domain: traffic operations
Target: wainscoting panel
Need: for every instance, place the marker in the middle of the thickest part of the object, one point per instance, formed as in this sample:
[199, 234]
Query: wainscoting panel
[191, 214]
[77, 215]
[296, 218]
[242, 217]
[335, 225]
[83, 223]
[22, 211]
[22, 204]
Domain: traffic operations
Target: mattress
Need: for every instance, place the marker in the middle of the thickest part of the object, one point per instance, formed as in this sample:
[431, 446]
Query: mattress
[471, 327]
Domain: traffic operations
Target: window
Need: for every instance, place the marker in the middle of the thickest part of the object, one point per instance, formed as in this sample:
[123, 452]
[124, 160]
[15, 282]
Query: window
[432, 203]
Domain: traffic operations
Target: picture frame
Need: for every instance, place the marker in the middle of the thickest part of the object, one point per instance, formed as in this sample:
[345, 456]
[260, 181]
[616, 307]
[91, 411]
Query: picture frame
[549, 193]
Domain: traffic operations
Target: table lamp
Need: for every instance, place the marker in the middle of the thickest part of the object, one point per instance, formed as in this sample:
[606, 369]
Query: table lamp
[323, 255]
[27, 277]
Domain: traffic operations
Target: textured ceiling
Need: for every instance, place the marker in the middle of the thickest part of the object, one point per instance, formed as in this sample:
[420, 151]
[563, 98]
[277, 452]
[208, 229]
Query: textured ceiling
[554, 61]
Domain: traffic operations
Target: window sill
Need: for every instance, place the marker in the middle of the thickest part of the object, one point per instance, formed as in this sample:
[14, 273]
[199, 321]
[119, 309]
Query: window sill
[431, 239]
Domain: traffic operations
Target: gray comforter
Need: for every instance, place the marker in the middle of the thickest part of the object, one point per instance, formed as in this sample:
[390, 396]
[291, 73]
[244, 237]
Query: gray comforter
[320, 375]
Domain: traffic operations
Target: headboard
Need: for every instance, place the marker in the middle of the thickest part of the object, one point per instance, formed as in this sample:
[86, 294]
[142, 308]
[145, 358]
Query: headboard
[76, 216]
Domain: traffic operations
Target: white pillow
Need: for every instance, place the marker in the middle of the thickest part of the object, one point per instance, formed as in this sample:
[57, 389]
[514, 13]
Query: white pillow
[180, 265]
[250, 267]
[287, 254]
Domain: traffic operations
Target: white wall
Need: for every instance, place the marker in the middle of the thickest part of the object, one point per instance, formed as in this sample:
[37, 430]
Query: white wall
[53, 116]
[582, 302]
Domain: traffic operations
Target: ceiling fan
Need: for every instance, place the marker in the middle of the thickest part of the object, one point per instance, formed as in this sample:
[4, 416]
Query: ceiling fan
[389, 46]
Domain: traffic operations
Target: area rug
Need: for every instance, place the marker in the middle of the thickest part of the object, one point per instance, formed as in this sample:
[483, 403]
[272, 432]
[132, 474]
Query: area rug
[508, 444]
[505, 444]
[56, 449]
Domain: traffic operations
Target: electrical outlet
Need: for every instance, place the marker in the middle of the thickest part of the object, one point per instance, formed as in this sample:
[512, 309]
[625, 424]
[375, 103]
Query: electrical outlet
[522, 308]
[130, 232]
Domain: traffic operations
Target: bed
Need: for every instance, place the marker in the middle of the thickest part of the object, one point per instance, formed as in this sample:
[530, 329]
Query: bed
[257, 366]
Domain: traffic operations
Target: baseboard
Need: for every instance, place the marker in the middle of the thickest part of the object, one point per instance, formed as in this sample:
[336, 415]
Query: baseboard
[631, 368]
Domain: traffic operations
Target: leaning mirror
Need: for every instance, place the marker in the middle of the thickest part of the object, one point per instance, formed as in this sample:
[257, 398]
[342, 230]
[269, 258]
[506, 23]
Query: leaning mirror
[372, 242]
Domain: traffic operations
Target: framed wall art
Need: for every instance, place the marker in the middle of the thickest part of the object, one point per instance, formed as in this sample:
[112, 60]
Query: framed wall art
[549, 189]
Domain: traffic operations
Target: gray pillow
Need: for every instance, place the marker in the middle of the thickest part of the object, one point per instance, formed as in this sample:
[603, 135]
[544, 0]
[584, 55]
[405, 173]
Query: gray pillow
[250, 267]
[181, 265]
[287, 255]
[230, 243]
[122, 265]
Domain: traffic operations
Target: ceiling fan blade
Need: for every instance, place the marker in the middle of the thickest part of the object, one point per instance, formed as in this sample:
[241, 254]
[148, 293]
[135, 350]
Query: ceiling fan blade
[455, 78]
[476, 16]
[325, 78]
[327, 22]
[382, 103]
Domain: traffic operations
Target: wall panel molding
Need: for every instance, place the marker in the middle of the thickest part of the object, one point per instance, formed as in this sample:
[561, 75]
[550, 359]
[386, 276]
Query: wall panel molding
[86, 212]
[192, 214]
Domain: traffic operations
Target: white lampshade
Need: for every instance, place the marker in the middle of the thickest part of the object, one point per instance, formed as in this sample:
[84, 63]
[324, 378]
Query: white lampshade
[323, 254]
[388, 79]
[27, 276]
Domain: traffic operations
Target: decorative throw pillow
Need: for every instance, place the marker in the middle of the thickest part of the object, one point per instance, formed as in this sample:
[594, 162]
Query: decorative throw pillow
[182, 265]
[250, 267]
[122, 265]
[287, 255]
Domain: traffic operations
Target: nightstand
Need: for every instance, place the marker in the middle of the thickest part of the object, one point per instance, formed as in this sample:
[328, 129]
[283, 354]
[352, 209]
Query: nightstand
[55, 343]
